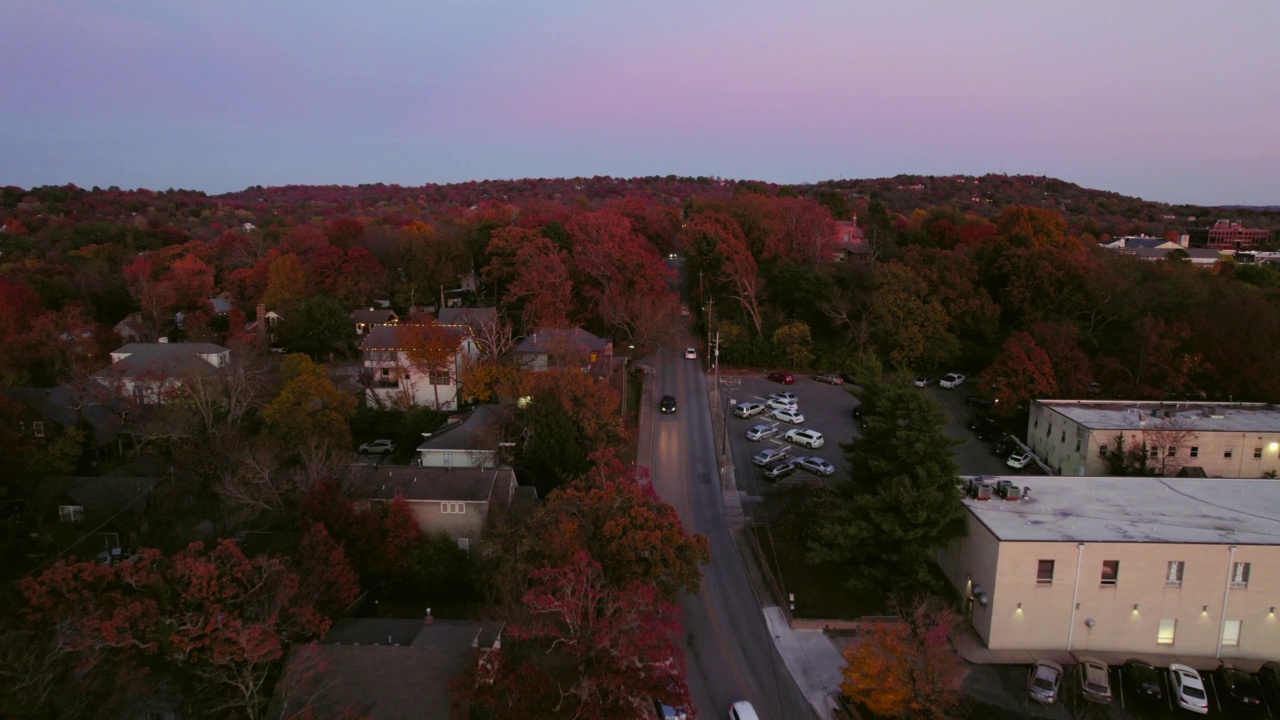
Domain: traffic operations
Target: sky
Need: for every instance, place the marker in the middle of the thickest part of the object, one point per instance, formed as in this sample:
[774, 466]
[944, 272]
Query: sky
[1169, 100]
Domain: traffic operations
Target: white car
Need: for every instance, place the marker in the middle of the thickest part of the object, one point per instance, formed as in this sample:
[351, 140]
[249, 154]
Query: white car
[377, 447]
[792, 416]
[781, 404]
[785, 396]
[816, 465]
[748, 409]
[951, 381]
[690, 353]
[761, 432]
[923, 381]
[804, 436]
[1018, 460]
[1188, 689]
[768, 455]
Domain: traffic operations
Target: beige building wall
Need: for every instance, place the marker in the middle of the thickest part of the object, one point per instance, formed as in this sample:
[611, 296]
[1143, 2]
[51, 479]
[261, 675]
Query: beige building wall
[1072, 449]
[1049, 618]
[467, 524]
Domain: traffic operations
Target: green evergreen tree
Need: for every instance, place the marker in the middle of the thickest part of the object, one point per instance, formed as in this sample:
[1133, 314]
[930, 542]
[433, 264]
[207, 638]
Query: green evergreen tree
[901, 503]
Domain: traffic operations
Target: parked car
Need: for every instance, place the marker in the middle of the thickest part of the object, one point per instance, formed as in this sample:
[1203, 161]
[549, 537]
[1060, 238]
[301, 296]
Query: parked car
[781, 404]
[804, 436]
[1045, 681]
[761, 432]
[1095, 680]
[816, 465]
[748, 409]
[987, 429]
[666, 712]
[1188, 689]
[782, 377]
[768, 455]
[1269, 674]
[378, 447]
[1243, 688]
[951, 381]
[780, 469]
[788, 416]
[784, 395]
[690, 353]
[923, 381]
[742, 710]
[668, 404]
[829, 378]
[1146, 680]
[1018, 460]
[979, 401]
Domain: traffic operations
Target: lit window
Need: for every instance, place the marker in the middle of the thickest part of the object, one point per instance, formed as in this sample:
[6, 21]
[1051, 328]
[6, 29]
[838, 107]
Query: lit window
[1173, 578]
[1164, 636]
[1231, 633]
[1110, 572]
[1044, 573]
[1240, 575]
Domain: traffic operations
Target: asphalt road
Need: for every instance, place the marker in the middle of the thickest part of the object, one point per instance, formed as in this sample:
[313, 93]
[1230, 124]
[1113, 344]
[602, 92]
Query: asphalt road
[729, 652]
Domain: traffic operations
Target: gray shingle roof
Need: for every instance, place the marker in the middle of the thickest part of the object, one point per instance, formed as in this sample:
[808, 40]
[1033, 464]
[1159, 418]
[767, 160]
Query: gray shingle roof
[561, 339]
[172, 360]
[390, 337]
[461, 484]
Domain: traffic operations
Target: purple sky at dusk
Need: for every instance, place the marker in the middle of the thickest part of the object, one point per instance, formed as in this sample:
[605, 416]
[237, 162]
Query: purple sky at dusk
[1169, 100]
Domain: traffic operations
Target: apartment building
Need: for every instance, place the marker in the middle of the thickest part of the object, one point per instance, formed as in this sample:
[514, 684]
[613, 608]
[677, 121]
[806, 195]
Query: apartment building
[1074, 437]
[1181, 566]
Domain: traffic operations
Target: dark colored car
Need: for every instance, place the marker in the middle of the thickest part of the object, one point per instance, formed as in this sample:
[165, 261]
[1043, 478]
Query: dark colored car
[782, 377]
[988, 429]
[1240, 686]
[668, 404]
[1146, 679]
[979, 401]
[1269, 674]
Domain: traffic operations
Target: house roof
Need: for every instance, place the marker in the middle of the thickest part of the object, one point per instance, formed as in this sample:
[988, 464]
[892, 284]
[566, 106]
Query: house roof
[161, 360]
[478, 430]
[373, 315]
[433, 484]
[117, 500]
[1201, 254]
[59, 405]
[406, 679]
[220, 305]
[1136, 509]
[473, 318]
[391, 337]
[1191, 416]
[559, 340]
[131, 323]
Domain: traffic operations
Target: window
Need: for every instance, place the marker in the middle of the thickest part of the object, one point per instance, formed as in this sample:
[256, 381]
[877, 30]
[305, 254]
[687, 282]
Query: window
[1164, 636]
[1172, 451]
[1257, 453]
[1049, 430]
[1077, 445]
[1195, 451]
[1231, 633]
[1227, 453]
[1153, 452]
[71, 513]
[1102, 451]
[439, 377]
[1063, 438]
[1110, 572]
[448, 458]
[1173, 578]
[1240, 575]
[37, 429]
[464, 544]
[1044, 573]
[386, 372]
[453, 508]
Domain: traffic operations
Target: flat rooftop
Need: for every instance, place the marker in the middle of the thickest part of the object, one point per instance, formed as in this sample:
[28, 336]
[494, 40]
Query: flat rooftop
[1135, 509]
[1192, 416]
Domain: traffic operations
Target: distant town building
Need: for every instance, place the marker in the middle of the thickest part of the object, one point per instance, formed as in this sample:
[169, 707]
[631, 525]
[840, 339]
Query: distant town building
[1141, 566]
[1232, 235]
[1233, 440]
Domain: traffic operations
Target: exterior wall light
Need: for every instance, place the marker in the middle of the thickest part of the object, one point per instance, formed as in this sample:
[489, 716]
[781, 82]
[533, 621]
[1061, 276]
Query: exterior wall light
[1135, 607]
[1204, 610]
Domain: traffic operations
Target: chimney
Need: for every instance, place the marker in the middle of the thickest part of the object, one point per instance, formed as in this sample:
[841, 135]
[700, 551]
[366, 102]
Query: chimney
[262, 322]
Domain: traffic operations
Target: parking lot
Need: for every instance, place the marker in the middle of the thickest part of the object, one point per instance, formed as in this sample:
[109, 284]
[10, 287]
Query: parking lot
[1003, 689]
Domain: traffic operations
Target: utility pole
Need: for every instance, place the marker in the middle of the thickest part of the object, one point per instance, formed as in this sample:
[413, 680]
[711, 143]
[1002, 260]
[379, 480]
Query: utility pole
[711, 306]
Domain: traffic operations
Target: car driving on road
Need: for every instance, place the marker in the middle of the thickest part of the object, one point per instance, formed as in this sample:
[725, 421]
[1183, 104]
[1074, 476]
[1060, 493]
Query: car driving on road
[668, 404]
[691, 353]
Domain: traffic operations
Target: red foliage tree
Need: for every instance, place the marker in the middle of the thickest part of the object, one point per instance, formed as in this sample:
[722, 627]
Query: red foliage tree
[1022, 371]
[543, 284]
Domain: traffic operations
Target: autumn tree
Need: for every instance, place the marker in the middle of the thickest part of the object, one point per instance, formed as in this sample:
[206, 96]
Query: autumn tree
[287, 283]
[909, 322]
[906, 667]
[543, 285]
[430, 262]
[153, 296]
[1021, 373]
[319, 327]
[620, 275]
[716, 246]
[795, 342]
[308, 407]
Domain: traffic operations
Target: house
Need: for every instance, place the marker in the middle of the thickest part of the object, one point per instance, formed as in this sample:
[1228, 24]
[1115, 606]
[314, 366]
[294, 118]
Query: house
[394, 378]
[456, 501]
[474, 440]
[1141, 242]
[475, 318]
[51, 410]
[564, 347]
[149, 372]
[132, 329]
[1233, 235]
[1130, 566]
[100, 516]
[385, 668]
[1225, 439]
[850, 243]
[265, 325]
[365, 320]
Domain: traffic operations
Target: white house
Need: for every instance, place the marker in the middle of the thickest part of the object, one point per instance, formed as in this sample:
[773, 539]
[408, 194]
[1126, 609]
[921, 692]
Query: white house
[149, 372]
[395, 377]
